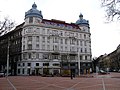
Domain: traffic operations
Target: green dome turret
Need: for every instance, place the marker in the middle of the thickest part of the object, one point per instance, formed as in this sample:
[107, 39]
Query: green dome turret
[33, 12]
[82, 21]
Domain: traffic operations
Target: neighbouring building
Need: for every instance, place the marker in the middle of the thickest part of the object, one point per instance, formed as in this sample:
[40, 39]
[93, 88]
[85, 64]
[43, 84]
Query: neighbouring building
[41, 46]
[109, 62]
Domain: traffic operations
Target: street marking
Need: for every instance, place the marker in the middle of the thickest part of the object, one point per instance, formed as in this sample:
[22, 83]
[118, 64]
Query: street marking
[48, 84]
[69, 89]
[11, 84]
[103, 83]
[78, 83]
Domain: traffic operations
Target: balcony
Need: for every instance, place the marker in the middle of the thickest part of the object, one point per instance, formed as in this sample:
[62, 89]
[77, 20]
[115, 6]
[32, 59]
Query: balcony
[56, 52]
[73, 53]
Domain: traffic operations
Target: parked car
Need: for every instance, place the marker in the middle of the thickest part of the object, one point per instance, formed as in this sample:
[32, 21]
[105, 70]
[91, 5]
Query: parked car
[102, 72]
[1, 74]
[119, 70]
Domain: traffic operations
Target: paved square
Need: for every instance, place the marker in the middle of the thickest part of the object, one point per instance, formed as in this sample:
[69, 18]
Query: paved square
[102, 82]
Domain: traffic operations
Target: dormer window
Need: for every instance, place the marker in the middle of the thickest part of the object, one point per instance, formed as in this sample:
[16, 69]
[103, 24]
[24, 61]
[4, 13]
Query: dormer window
[30, 19]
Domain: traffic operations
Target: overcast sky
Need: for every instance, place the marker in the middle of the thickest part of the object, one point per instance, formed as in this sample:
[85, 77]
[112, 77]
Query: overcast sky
[105, 37]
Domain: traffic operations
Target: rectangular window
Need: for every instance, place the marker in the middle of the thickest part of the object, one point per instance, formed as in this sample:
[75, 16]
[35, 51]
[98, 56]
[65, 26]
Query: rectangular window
[48, 31]
[85, 43]
[29, 64]
[29, 55]
[66, 41]
[85, 57]
[77, 42]
[43, 47]
[37, 64]
[80, 57]
[24, 40]
[48, 39]
[24, 55]
[72, 48]
[61, 33]
[23, 47]
[85, 50]
[64, 57]
[43, 31]
[55, 47]
[77, 35]
[29, 38]
[66, 49]
[23, 71]
[48, 47]
[81, 43]
[43, 39]
[84, 36]
[28, 71]
[81, 50]
[23, 64]
[72, 64]
[45, 56]
[72, 41]
[72, 57]
[37, 55]
[18, 64]
[80, 35]
[37, 46]
[55, 39]
[61, 41]
[61, 48]
[18, 71]
[55, 56]
[45, 64]
[29, 46]
[37, 38]
[56, 64]
[30, 19]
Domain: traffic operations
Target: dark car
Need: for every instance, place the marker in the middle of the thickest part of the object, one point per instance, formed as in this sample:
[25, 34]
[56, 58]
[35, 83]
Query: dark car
[101, 72]
[1, 74]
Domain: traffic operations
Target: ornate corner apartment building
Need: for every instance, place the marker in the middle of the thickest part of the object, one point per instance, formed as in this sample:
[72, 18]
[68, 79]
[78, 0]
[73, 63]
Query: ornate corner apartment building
[40, 46]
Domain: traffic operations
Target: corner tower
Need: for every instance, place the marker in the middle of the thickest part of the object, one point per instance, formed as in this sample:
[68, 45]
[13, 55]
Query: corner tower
[33, 16]
[83, 23]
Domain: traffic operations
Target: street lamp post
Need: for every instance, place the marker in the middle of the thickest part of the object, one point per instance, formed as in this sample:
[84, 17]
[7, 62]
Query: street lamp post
[79, 63]
[7, 59]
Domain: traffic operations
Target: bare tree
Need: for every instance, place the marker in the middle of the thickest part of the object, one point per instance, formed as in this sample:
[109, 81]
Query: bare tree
[6, 25]
[112, 8]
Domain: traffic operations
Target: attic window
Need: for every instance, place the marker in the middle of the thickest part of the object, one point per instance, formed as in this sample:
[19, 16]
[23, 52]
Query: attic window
[30, 19]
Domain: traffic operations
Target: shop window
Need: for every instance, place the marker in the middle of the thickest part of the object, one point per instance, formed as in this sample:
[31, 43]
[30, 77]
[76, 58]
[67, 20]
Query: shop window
[56, 64]
[45, 64]
[23, 70]
[37, 64]
[29, 64]
[18, 71]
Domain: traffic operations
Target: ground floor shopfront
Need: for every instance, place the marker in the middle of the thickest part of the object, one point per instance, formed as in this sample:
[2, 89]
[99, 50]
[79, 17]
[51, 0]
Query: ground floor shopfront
[53, 68]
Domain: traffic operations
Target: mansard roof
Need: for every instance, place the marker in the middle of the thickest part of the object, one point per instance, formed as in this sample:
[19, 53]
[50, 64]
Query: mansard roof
[59, 23]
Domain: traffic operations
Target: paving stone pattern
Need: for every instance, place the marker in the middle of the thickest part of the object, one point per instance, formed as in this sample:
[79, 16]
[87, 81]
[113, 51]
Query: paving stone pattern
[61, 83]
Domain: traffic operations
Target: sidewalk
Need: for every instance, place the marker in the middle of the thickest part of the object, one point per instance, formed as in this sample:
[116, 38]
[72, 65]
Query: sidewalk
[96, 75]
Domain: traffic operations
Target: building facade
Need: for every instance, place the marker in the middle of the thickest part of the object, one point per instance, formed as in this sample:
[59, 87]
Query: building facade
[109, 62]
[49, 46]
